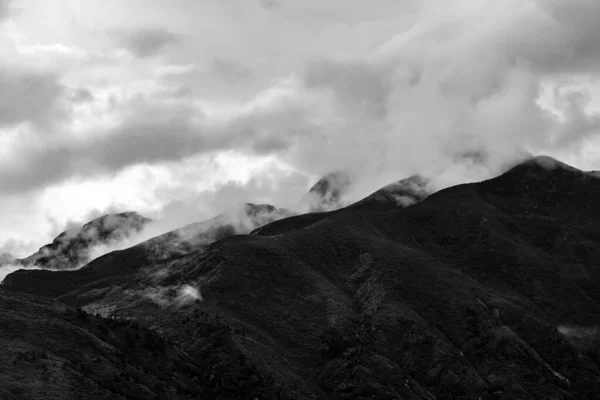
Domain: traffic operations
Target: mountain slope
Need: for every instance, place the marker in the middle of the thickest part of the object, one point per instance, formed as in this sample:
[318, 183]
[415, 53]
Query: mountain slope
[118, 266]
[468, 294]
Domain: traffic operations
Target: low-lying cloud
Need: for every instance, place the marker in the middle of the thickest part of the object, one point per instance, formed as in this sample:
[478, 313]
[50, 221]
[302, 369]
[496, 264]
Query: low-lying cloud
[149, 42]
[176, 296]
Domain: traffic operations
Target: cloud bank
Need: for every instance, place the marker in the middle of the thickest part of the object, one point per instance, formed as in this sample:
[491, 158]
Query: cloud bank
[453, 91]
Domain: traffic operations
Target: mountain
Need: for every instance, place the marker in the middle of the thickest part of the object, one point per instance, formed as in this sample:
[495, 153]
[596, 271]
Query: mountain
[199, 234]
[327, 193]
[486, 290]
[71, 249]
[402, 193]
[117, 267]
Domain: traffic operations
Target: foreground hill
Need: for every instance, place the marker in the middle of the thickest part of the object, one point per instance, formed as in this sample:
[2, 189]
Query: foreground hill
[480, 291]
[52, 351]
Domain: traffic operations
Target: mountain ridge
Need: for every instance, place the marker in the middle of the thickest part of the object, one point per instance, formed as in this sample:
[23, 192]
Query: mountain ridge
[463, 295]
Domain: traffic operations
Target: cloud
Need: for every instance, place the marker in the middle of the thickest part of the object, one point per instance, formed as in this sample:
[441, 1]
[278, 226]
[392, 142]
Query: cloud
[5, 9]
[151, 131]
[271, 5]
[149, 42]
[461, 81]
[456, 83]
[82, 95]
[177, 296]
[29, 96]
[454, 91]
[357, 86]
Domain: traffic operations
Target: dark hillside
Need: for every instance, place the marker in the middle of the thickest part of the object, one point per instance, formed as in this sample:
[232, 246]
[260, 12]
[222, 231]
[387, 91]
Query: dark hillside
[51, 351]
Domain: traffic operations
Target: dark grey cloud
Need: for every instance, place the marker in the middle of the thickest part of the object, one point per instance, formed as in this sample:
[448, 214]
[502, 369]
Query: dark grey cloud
[271, 5]
[357, 85]
[152, 134]
[30, 97]
[82, 95]
[222, 78]
[575, 31]
[179, 92]
[230, 70]
[149, 42]
[5, 8]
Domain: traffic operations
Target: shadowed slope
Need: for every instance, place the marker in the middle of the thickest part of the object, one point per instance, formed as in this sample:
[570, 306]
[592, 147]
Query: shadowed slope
[51, 351]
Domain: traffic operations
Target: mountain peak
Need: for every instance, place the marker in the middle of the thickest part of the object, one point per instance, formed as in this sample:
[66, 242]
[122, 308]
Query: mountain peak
[539, 169]
[547, 163]
[71, 248]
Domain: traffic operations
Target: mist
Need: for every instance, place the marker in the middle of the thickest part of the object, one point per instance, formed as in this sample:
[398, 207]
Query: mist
[176, 296]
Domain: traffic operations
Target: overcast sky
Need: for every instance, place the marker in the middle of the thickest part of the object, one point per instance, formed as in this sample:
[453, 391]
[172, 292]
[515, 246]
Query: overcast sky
[183, 107]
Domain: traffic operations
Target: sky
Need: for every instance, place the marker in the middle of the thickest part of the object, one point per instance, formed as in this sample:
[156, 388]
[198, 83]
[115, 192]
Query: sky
[180, 109]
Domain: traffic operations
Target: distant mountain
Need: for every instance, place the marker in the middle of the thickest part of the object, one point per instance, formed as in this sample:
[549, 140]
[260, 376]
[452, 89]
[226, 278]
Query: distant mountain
[71, 248]
[485, 290]
[327, 193]
[118, 265]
